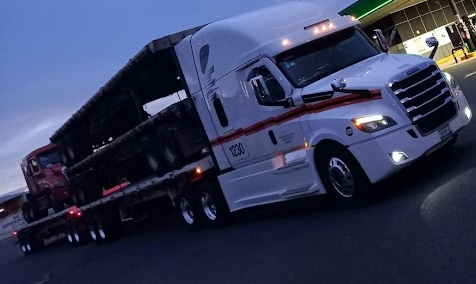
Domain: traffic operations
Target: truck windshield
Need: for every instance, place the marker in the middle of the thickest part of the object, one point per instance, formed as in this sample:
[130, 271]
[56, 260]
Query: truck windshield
[48, 158]
[315, 60]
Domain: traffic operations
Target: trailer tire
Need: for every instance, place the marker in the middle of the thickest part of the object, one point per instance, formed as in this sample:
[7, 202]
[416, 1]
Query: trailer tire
[213, 204]
[169, 148]
[80, 236]
[107, 224]
[342, 175]
[153, 157]
[30, 244]
[84, 189]
[25, 208]
[189, 212]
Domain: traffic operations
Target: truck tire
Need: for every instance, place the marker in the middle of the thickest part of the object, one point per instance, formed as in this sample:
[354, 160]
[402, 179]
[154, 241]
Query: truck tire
[76, 147]
[80, 235]
[75, 234]
[213, 204]
[342, 175]
[189, 212]
[168, 146]
[85, 189]
[106, 225]
[25, 208]
[29, 243]
[153, 157]
[68, 230]
[62, 153]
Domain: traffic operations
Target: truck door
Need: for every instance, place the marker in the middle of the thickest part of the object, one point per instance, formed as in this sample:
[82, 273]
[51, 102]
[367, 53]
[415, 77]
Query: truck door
[268, 125]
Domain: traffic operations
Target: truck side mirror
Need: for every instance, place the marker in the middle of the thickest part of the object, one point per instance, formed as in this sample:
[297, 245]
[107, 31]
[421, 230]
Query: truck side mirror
[432, 42]
[338, 85]
[382, 42]
[264, 96]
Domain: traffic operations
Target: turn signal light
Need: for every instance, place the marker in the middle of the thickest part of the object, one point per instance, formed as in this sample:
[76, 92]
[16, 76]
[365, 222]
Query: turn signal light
[198, 171]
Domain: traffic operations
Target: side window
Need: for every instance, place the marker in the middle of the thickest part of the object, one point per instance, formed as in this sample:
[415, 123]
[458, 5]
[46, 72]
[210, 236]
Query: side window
[220, 112]
[34, 166]
[272, 86]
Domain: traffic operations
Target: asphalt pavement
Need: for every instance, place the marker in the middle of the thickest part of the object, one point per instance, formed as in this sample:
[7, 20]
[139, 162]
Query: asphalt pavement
[420, 229]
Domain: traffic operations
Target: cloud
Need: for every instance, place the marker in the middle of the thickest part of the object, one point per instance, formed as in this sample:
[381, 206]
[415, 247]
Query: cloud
[25, 135]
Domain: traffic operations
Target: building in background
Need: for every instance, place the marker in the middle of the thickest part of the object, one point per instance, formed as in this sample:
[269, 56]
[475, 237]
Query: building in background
[414, 21]
[11, 217]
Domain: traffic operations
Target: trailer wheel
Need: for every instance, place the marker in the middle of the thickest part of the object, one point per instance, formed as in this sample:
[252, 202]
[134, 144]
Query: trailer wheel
[25, 208]
[190, 212]
[80, 236]
[30, 244]
[169, 148]
[152, 156]
[342, 175]
[108, 224]
[213, 204]
[69, 233]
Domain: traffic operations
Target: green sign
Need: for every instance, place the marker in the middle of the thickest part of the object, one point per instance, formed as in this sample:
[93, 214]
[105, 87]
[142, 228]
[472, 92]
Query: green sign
[363, 8]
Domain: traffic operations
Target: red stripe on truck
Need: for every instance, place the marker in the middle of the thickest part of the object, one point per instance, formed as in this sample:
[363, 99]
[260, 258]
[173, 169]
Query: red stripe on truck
[300, 111]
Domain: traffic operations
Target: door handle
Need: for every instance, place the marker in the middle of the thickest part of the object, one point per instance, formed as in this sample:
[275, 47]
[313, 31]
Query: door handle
[272, 137]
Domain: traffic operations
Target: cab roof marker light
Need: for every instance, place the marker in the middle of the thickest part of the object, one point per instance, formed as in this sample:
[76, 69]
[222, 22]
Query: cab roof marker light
[285, 42]
[316, 24]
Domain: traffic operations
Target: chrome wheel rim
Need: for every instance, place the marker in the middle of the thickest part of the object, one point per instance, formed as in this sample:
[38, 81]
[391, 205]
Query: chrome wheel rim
[23, 248]
[70, 237]
[28, 247]
[186, 210]
[341, 177]
[92, 232]
[76, 236]
[101, 231]
[208, 206]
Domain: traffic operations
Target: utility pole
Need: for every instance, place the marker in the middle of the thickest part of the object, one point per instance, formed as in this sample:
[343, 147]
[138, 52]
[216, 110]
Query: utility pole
[463, 29]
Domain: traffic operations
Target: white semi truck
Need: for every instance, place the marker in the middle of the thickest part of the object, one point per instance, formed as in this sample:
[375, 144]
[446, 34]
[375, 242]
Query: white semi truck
[281, 103]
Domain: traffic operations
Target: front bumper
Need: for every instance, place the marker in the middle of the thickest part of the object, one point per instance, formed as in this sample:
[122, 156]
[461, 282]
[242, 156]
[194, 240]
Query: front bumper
[375, 155]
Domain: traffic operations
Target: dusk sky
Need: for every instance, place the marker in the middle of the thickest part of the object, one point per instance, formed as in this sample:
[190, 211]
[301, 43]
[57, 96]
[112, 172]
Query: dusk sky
[54, 55]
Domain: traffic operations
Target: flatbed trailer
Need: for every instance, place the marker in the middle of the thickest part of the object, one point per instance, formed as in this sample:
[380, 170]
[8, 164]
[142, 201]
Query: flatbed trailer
[102, 219]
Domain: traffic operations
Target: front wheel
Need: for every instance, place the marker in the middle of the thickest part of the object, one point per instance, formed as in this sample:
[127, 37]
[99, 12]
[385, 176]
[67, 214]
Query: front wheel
[342, 175]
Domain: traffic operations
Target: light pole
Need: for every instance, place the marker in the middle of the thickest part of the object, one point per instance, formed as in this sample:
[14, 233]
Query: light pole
[463, 29]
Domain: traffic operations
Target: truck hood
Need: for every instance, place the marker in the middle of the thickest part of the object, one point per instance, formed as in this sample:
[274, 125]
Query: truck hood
[372, 73]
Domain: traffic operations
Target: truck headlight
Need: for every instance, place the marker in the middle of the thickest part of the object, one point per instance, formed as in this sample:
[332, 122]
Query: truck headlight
[373, 123]
[454, 87]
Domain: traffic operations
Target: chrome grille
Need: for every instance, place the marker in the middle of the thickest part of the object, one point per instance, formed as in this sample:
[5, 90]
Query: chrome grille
[426, 97]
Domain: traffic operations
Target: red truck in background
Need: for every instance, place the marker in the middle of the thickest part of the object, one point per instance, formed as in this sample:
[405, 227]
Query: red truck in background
[46, 182]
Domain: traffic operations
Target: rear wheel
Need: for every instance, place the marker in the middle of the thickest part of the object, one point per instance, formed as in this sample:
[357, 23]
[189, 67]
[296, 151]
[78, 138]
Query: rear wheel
[106, 225]
[342, 175]
[213, 204]
[29, 243]
[190, 212]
